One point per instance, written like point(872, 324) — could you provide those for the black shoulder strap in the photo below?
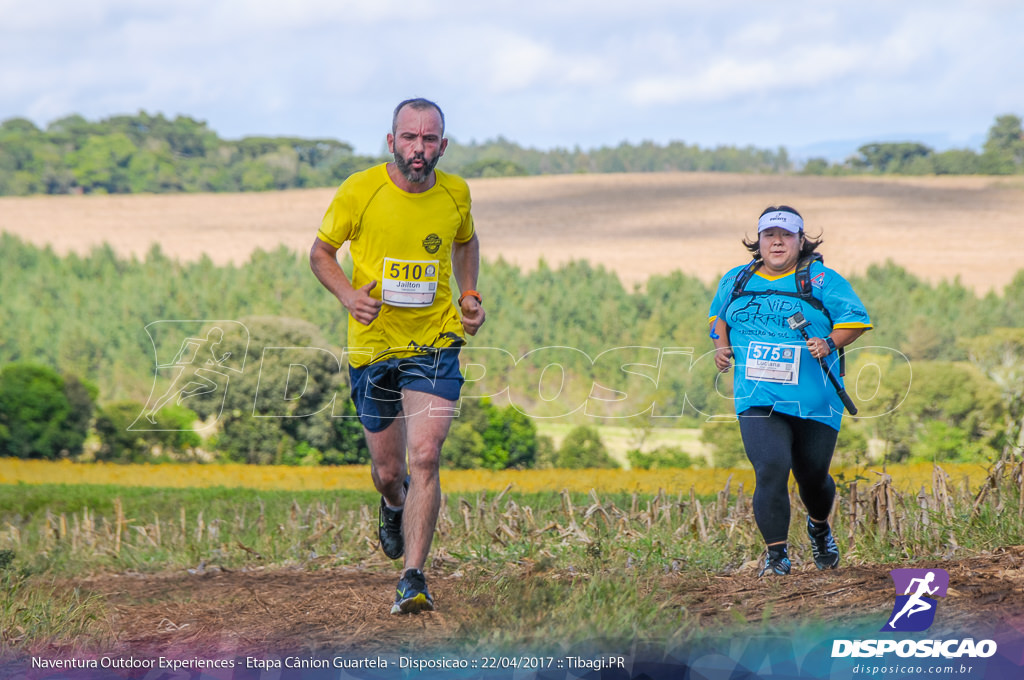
point(803, 286)
point(740, 284)
point(803, 283)
point(803, 274)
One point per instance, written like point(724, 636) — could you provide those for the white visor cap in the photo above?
point(781, 218)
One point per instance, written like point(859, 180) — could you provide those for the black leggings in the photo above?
point(777, 443)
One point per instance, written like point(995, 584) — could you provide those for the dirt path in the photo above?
point(226, 614)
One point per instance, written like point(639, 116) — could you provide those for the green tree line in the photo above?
point(1002, 154)
point(90, 320)
point(151, 153)
point(502, 158)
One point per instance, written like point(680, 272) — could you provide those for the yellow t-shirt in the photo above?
point(402, 241)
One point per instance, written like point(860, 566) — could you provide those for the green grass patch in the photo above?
point(36, 613)
point(619, 439)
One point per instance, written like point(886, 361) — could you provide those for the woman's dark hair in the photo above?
point(810, 245)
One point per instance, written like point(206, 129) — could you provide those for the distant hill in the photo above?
point(838, 151)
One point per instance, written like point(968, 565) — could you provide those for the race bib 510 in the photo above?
point(409, 283)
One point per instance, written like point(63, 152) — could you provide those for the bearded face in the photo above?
point(417, 142)
point(417, 167)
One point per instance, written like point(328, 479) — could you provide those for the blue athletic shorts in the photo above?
point(377, 387)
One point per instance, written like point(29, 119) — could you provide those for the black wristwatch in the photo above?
point(831, 343)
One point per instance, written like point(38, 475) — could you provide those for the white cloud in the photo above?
point(729, 77)
point(512, 62)
point(566, 73)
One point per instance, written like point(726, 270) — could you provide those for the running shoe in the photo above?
point(389, 529)
point(412, 595)
point(823, 545)
point(776, 563)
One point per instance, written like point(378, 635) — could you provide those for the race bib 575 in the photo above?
point(773, 363)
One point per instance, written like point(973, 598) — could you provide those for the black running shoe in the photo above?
point(823, 545)
point(389, 529)
point(776, 563)
point(412, 595)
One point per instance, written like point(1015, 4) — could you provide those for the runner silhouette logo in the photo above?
point(195, 361)
point(916, 593)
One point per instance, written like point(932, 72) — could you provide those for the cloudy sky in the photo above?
point(543, 73)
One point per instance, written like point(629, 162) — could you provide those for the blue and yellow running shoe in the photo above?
point(412, 595)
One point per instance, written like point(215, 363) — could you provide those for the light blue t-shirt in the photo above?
point(774, 368)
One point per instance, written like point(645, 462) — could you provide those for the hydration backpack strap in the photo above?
point(804, 287)
point(737, 289)
point(803, 274)
point(740, 284)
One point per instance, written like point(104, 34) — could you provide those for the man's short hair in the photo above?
point(418, 103)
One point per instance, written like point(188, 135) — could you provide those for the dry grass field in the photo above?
point(637, 224)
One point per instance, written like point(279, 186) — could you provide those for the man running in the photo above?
point(409, 228)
